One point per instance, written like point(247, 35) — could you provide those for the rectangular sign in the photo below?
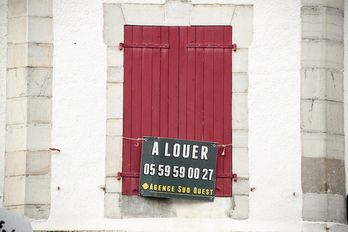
point(176, 168)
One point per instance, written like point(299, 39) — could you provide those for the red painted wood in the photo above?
point(164, 92)
point(208, 133)
point(178, 92)
point(173, 82)
point(156, 82)
point(191, 84)
point(199, 104)
point(136, 107)
point(146, 82)
point(218, 106)
point(183, 84)
point(227, 110)
point(127, 107)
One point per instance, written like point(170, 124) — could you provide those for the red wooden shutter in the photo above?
point(184, 91)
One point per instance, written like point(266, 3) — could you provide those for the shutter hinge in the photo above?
point(201, 45)
point(227, 175)
point(143, 45)
point(127, 174)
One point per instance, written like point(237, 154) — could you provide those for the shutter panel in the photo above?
point(205, 93)
point(182, 92)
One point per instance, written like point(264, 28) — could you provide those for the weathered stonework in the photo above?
point(322, 114)
point(176, 13)
point(27, 185)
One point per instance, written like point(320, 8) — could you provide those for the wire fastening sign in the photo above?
point(176, 168)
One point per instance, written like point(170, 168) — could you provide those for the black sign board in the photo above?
point(176, 168)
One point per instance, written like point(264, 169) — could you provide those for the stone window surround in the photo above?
point(118, 15)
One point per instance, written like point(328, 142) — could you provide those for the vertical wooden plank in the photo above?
point(191, 84)
point(156, 82)
point(164, 92)
point(227, 109)
point(146, 83)
point(218, 106)
point(136, 107)
point(183, 84)
point(127, 108)
point(199, 103)
point(208, 133)
point(173, 82)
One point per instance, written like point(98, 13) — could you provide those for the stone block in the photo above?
point(201, 209)
point(315, 207)
point(38, 162)
point(242, 26)
point(310, 227)
point(16, 55)
point(17, 30)
point(240, 138)
point(23, 82)
point(337, 209)
point(335, 4)
point(314, 177)
point(39, 137)
point(240, 83)
point(322, 54)
point(241, 207)
point(14, 190)
point(39, 82)
point(16, 138)
point(40, 55)
point(38, 189)
point(133, 206)
point(16, 111)
point(40, 30)
point(212, 14)
point(115, 75)
point(112, 207)
point(322, 23)
point(322, 116)
point(322, 84)
point(113, 159)
point(322, 175)
point(143, 14)
point(240, 111)
point(338, 228)
point(114, 127)
point(240, 162)
point(178, 13)
point(113, 185)
point(39, 110)
point(114, 57)
point(114, 100)
point(43, 8)
point(240, 61)
point(15, 163)
point(113, 24)
point(16, 82)
point(336, 177)
point(37, 211)
point(322, 145)
point(17, 8)
point(240, 187)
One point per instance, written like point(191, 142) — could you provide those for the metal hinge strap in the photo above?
point(127, 174)
point(143, 45)
point(200, 45)
point(227, 175)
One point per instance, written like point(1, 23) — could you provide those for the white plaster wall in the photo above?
point(345, 76)
point(3, 62)
point(79, 115)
